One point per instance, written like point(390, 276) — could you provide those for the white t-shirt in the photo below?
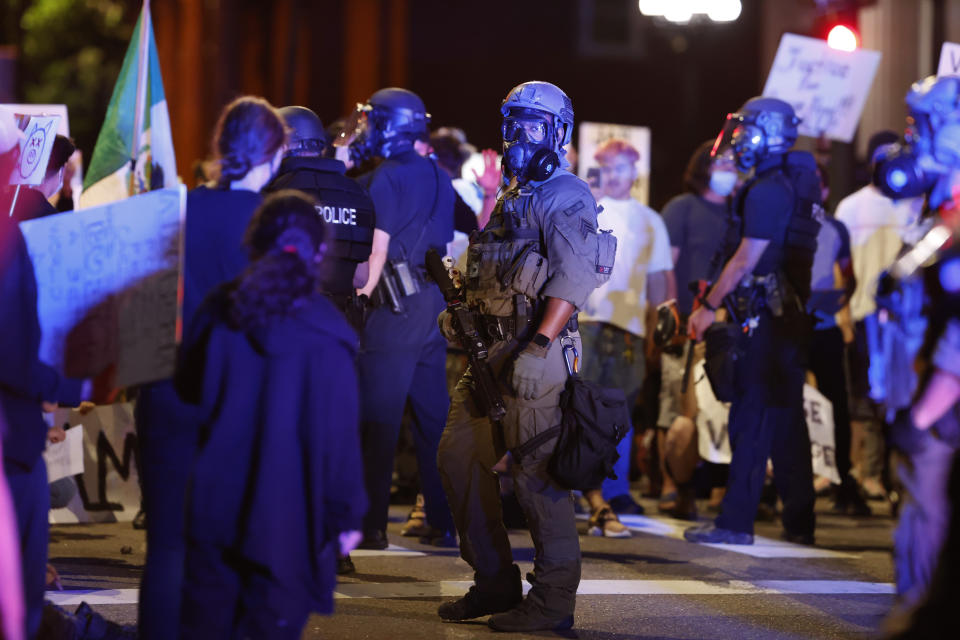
point(878, 229)
point(643, 247)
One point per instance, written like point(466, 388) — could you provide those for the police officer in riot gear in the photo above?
point(403, 355)
point(768, 276)
point(528, 272)
point(343, 204)
point(921, 292)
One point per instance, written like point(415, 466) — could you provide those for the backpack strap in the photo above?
point(521, 451)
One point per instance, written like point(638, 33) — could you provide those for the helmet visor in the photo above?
point(353, 125)
point(533, 129)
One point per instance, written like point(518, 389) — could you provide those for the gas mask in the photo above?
point(528, 146)
point(922, 165)
point(762, 127)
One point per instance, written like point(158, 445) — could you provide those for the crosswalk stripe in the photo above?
point(454, 588)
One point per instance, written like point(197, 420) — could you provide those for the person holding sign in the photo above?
point(26, 386)
point(769, 279)
point(34, 202)
point(277, 490)
point(248, 144)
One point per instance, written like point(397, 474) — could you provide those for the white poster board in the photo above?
point(65, 458)
point(108, 488)
point(949, 60)
point(713, 438)
point(819, 414)
point(40, 134)
point(108, 280)
point(63, 126)
point(593, 134)
point(826, 87)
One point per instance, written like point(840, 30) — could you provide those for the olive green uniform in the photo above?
point(541, 242)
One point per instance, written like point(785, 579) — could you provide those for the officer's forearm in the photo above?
point(555, 317)
point(378, 257)
point(742, 263)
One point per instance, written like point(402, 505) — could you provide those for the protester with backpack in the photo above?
point(763, 289)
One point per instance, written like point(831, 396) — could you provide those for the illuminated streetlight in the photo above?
point(843, 38)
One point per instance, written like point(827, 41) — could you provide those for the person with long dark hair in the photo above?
point(277, 490)
point(248, 143)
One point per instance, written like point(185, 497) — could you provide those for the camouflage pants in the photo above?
point(467, 457)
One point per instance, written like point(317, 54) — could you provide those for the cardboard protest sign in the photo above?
point(35, 148)
point(826, 87)
point(819, 413)
point(593, 134)
point(713, 439)
point(65, 458)
point(108, 280)
point(949, 60)
point(108, 488)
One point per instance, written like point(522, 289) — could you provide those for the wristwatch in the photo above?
point(541, 341)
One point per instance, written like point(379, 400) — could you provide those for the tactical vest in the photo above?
point(507, 262)
point(347, 211)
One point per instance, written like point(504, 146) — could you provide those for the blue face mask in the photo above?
point(723, 182)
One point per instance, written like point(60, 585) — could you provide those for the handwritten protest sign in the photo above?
point(108, 488)
point(949, 60)
point(593, 134)
point(107, 279)
point(826, 87)
point(713, 439)
point(40, 133)
point(65, 458)
point(819, 413)
point(63, 126)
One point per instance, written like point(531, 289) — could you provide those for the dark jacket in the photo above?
point(31, 203)
point(279, 473)
point(25, 381)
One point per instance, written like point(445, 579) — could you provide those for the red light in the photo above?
point(843, 38)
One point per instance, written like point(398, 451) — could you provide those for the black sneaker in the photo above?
point(439, 538)
point(712, 534)
point(527, 616)
point(374, 540)
point(797, 538)
point(345, 566)
point(499, 595)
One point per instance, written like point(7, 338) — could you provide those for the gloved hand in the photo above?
point(445, 322)
point(528, 371)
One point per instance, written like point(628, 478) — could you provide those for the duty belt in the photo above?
point(502, 328)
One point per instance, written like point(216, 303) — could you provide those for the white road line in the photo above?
point(392, 550)
point(761, 547)
point(454, 588)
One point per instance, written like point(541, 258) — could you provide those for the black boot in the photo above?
point(494, 595)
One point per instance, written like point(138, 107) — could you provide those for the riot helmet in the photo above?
point(761, 128)
point(307, 135)
point(931, 148)
point(537, 125)
point(389, 123)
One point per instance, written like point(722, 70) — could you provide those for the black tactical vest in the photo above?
point(344, 206)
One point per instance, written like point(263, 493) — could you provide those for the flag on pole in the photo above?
point(134, 152)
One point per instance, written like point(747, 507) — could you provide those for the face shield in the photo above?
point(740, 137)
point(357, 136)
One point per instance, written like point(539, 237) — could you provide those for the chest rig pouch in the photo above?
point(506, 268)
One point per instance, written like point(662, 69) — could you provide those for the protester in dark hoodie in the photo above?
point(277, 489)
point(248, 144)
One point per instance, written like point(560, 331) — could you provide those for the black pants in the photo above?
point(767, 421)
point(827, 364)
point(31, 504)
point(223, 600)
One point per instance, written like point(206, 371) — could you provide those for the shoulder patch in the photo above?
point(575, 207)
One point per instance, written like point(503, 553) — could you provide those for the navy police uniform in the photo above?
point(541, 242)
point(403, 355)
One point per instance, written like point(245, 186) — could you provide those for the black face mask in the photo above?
point(528, 153)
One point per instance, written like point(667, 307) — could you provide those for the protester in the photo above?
point(620, 315)
point(697, 221)
point(27, 386)
point(34, 201)
point(277, 487)
point(248, 143)
point(878, 227)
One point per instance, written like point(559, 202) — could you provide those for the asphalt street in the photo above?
point(653, 585)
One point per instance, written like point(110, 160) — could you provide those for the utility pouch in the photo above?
point(406, 283)
point(527, 274)
point(724, 348)
point(606, 254)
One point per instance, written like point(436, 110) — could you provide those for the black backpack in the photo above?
point(595, 420)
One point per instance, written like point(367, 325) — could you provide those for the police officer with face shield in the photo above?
point(528, 272)
point(343, 204)
point(403, 355)
point(764, 287)
point(921, 293)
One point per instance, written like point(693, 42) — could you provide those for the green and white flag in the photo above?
point(134, 152)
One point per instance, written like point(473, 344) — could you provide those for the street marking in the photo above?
point(455, 588)
point(392, 550)
point(761, 547)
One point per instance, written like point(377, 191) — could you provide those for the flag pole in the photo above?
point(143, 60)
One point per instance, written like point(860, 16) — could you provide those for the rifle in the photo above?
point(485, 390)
